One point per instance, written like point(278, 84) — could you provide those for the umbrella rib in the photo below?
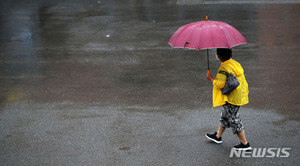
point(193, 35)
point(181, 31)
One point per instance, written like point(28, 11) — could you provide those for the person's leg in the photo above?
point(244, 145)
point(220, 131)
point(217, 136)
point(224, 121)
point(234, 120)
point(237, 127)
point(242, 137)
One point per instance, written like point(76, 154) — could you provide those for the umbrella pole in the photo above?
point(208, 71)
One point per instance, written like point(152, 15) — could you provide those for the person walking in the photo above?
point(230, 102)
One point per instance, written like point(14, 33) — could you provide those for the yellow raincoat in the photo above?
point(239, 96)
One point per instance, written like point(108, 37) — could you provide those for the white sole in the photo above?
point(249, 148)
point(218, 142)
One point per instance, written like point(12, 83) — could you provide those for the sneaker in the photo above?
point(241, 146)
point(214, 138)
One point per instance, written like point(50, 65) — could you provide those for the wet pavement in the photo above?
point(95, 82)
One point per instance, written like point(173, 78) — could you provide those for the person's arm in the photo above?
point(210, 77)
point(220, 80)
point(219, 84)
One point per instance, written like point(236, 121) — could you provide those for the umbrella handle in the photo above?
point(207, 56)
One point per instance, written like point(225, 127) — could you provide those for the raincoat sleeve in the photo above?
point(220, 80)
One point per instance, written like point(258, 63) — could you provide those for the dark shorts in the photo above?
point(230, 118)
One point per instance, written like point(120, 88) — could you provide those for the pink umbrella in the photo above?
point(205, 35)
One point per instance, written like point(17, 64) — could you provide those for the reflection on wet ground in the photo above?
point(116, 53)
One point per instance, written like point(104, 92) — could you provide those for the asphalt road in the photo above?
point(96, 83)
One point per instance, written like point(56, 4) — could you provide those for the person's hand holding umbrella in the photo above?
point(209, 77)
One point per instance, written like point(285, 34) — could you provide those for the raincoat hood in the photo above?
point(234, 66)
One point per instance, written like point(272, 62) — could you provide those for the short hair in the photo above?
point(224, 53)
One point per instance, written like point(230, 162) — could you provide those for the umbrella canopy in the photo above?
point(206, 34)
